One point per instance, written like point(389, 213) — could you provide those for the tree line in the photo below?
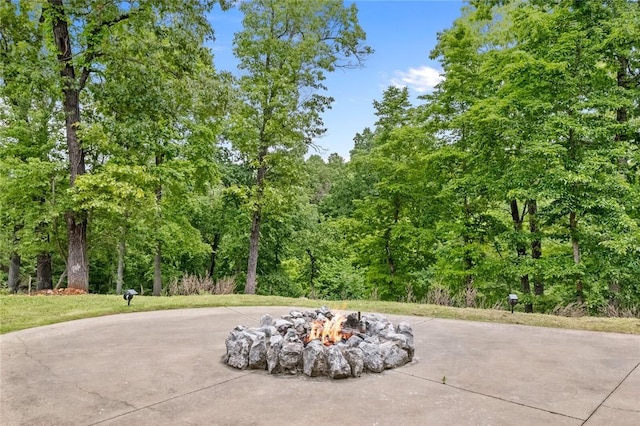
point(128, 159)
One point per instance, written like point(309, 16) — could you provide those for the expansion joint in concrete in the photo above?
point(602, 403)
point(151, 406)
point(440, 382)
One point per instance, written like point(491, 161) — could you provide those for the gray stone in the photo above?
point(291, 335)
point(400, 339)
point(375, 327)
point(374, 318)
point(355, 358)
point(273, 354)
point(310, 315)
point(266, 320)
point(258, 354)
point(325, 312)
point(238, 350)
point(406, 330)
point(291, 356)
point(339, 367)
point(372, 339)
point(393, 355)
point(282, 325)
point(295, 314)
point(373, 360)
point(298, 322)
point(269, 331)
point(300, 326)
point(314, 359)
point(354, 341)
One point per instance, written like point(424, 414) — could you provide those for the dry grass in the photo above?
point(19, 312)
point(190, 285)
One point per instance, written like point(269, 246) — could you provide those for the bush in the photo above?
point(439, 295)
point(339, 280)
point(191, 284)
point(225, 285)
point(575, 309)
point(278, 283)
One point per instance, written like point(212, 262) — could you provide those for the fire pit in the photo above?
point(321, 343)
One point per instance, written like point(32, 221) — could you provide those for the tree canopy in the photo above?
point(128, 158)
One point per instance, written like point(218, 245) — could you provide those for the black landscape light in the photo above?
point(128, 295)
point(513, 300)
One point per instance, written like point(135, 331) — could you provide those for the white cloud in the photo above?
point(422, 79)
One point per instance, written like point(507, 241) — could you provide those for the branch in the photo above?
point(91, 53)
point(524, 211)
point(64, 274)
point(84, 75)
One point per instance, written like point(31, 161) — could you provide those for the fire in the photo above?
point(329, 332)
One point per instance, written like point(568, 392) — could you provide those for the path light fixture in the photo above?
point(128, 295)
point(513, 300)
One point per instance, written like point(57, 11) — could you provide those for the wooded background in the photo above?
point(128, 160)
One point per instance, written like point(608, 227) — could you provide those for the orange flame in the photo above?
point(329, 332)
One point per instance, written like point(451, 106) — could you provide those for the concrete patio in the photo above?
point(164, 368)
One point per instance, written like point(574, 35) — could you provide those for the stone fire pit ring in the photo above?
point(321, 343)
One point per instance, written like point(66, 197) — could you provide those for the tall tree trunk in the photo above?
point(521, 250)
point(387, 239)
point(120, 271)
point(470, 299)
point(254, 240)
point(44, 279)
point(468, 259)
point(312, 274)
point(389, 253)
point(14, 272)
point(77, 272)
point(14, 262)
point(623, 81)
point(256, 220)
point(157, 271)
point(536, 245)
point(157, 258)
point(575, 243)
point(214, 254)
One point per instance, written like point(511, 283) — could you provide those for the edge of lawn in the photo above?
point(19, 312)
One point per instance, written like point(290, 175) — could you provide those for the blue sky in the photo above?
point(401, 32)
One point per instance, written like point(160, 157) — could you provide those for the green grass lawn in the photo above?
point(18, 312)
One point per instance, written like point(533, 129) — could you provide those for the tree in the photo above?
point(389, 212)
point(284, 50)
point(465, 157)
point(533, 98)
point(28, 138)
point(80, 41)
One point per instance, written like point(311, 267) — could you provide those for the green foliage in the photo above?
point(517, 174)
point(284, 51)
point(339, 280)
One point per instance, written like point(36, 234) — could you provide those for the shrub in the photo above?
point(438, 295)
point(225, 285)
point(575, 309)
point(190, 284)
